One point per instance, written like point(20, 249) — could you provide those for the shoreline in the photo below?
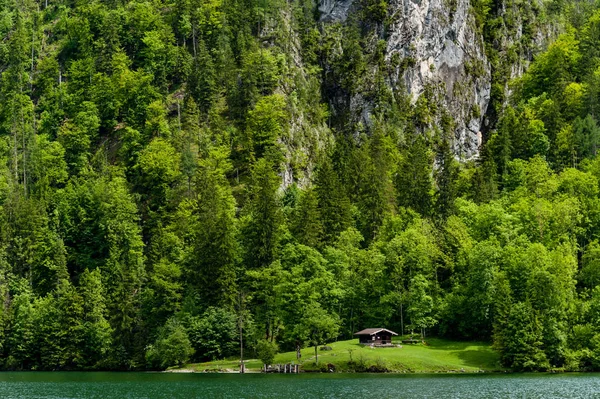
point(421, 372)
point(440, 356)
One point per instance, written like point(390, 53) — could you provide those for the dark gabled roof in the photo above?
point(371, 331)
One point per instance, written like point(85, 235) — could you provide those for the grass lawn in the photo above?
point(439, 355)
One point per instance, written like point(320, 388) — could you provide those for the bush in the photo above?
point(214, 335)
point(266, 351)
point(171, 348)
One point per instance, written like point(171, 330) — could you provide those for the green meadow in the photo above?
point(438, 355)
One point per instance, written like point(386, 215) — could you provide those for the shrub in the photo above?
point(266, 351)
point(171, 348)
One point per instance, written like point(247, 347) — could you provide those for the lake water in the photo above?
point(58, 385)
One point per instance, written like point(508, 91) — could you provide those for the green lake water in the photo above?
point(59, 385)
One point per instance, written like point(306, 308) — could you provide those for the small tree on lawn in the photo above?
point(318, 327)
point(171, 348)
point(420, 305)
point(266, 351)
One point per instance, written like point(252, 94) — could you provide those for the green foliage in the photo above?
point(334, 204)
point(214, 334)
point(158, 166)
point(522, 346)
point(262, 230)
point(317, 327)
point(413, 181)
point(266, 124)
point(266, 351)
point(214, 254)
point(171, 348)
point(97, 333)
point(307, 225)
point(420, 304)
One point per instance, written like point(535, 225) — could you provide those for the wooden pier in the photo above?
point(282, 368)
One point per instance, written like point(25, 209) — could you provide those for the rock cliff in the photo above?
point(443, 51)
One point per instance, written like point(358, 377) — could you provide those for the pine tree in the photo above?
point(334, 205)
point(214, 256)
point(446, 176)
point(70, 337)
point(306, 222)
point(20, 342)
point(202, 82)
point(414, 179)
point(485, 186)
point(264, 217)
point(96, 331)
point(375, 197)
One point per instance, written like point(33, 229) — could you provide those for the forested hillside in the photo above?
point(178, 175)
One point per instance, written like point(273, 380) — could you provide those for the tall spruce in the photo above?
point(215, 251)
point(264, 217)
point(334, 205)
point(414, 187)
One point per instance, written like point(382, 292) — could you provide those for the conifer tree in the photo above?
point(96, 331)
point(264, 218)
point(334, 205)
point(414, 179)
point(202, 80)
point(306, 222)
point(214, 256)
point(20, 342)
point(375, 197)
point(446, 177)
point(485, 182)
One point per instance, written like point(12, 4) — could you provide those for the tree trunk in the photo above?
point(316, 355)
point(24, 160)
point(241, 347)
point(194, 39)
point(401, 320)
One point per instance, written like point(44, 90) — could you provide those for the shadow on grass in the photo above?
point(486, 359)
point(474, 354)
point(442, 344)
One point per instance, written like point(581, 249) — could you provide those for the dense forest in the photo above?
point(177, 176)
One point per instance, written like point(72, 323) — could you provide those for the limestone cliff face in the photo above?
point(335, 10)
point(444, 53)
point(448, 54)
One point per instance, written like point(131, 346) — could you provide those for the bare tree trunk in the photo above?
point(194, 39)
point(22, 146)
point(15, 154)
point(179, 116)
point(241, 310)
point(352, 318)
point(24, 157)
point(401, 319)
point(32, 54)
point(24, 152)
point(241, 347)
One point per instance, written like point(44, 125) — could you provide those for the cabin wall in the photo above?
point(379, 338)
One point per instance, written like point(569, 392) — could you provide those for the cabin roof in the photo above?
point(372, 331)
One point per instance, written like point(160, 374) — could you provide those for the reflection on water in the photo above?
point(58, 385)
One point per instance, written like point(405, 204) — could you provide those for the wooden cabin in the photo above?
point(375, 336)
